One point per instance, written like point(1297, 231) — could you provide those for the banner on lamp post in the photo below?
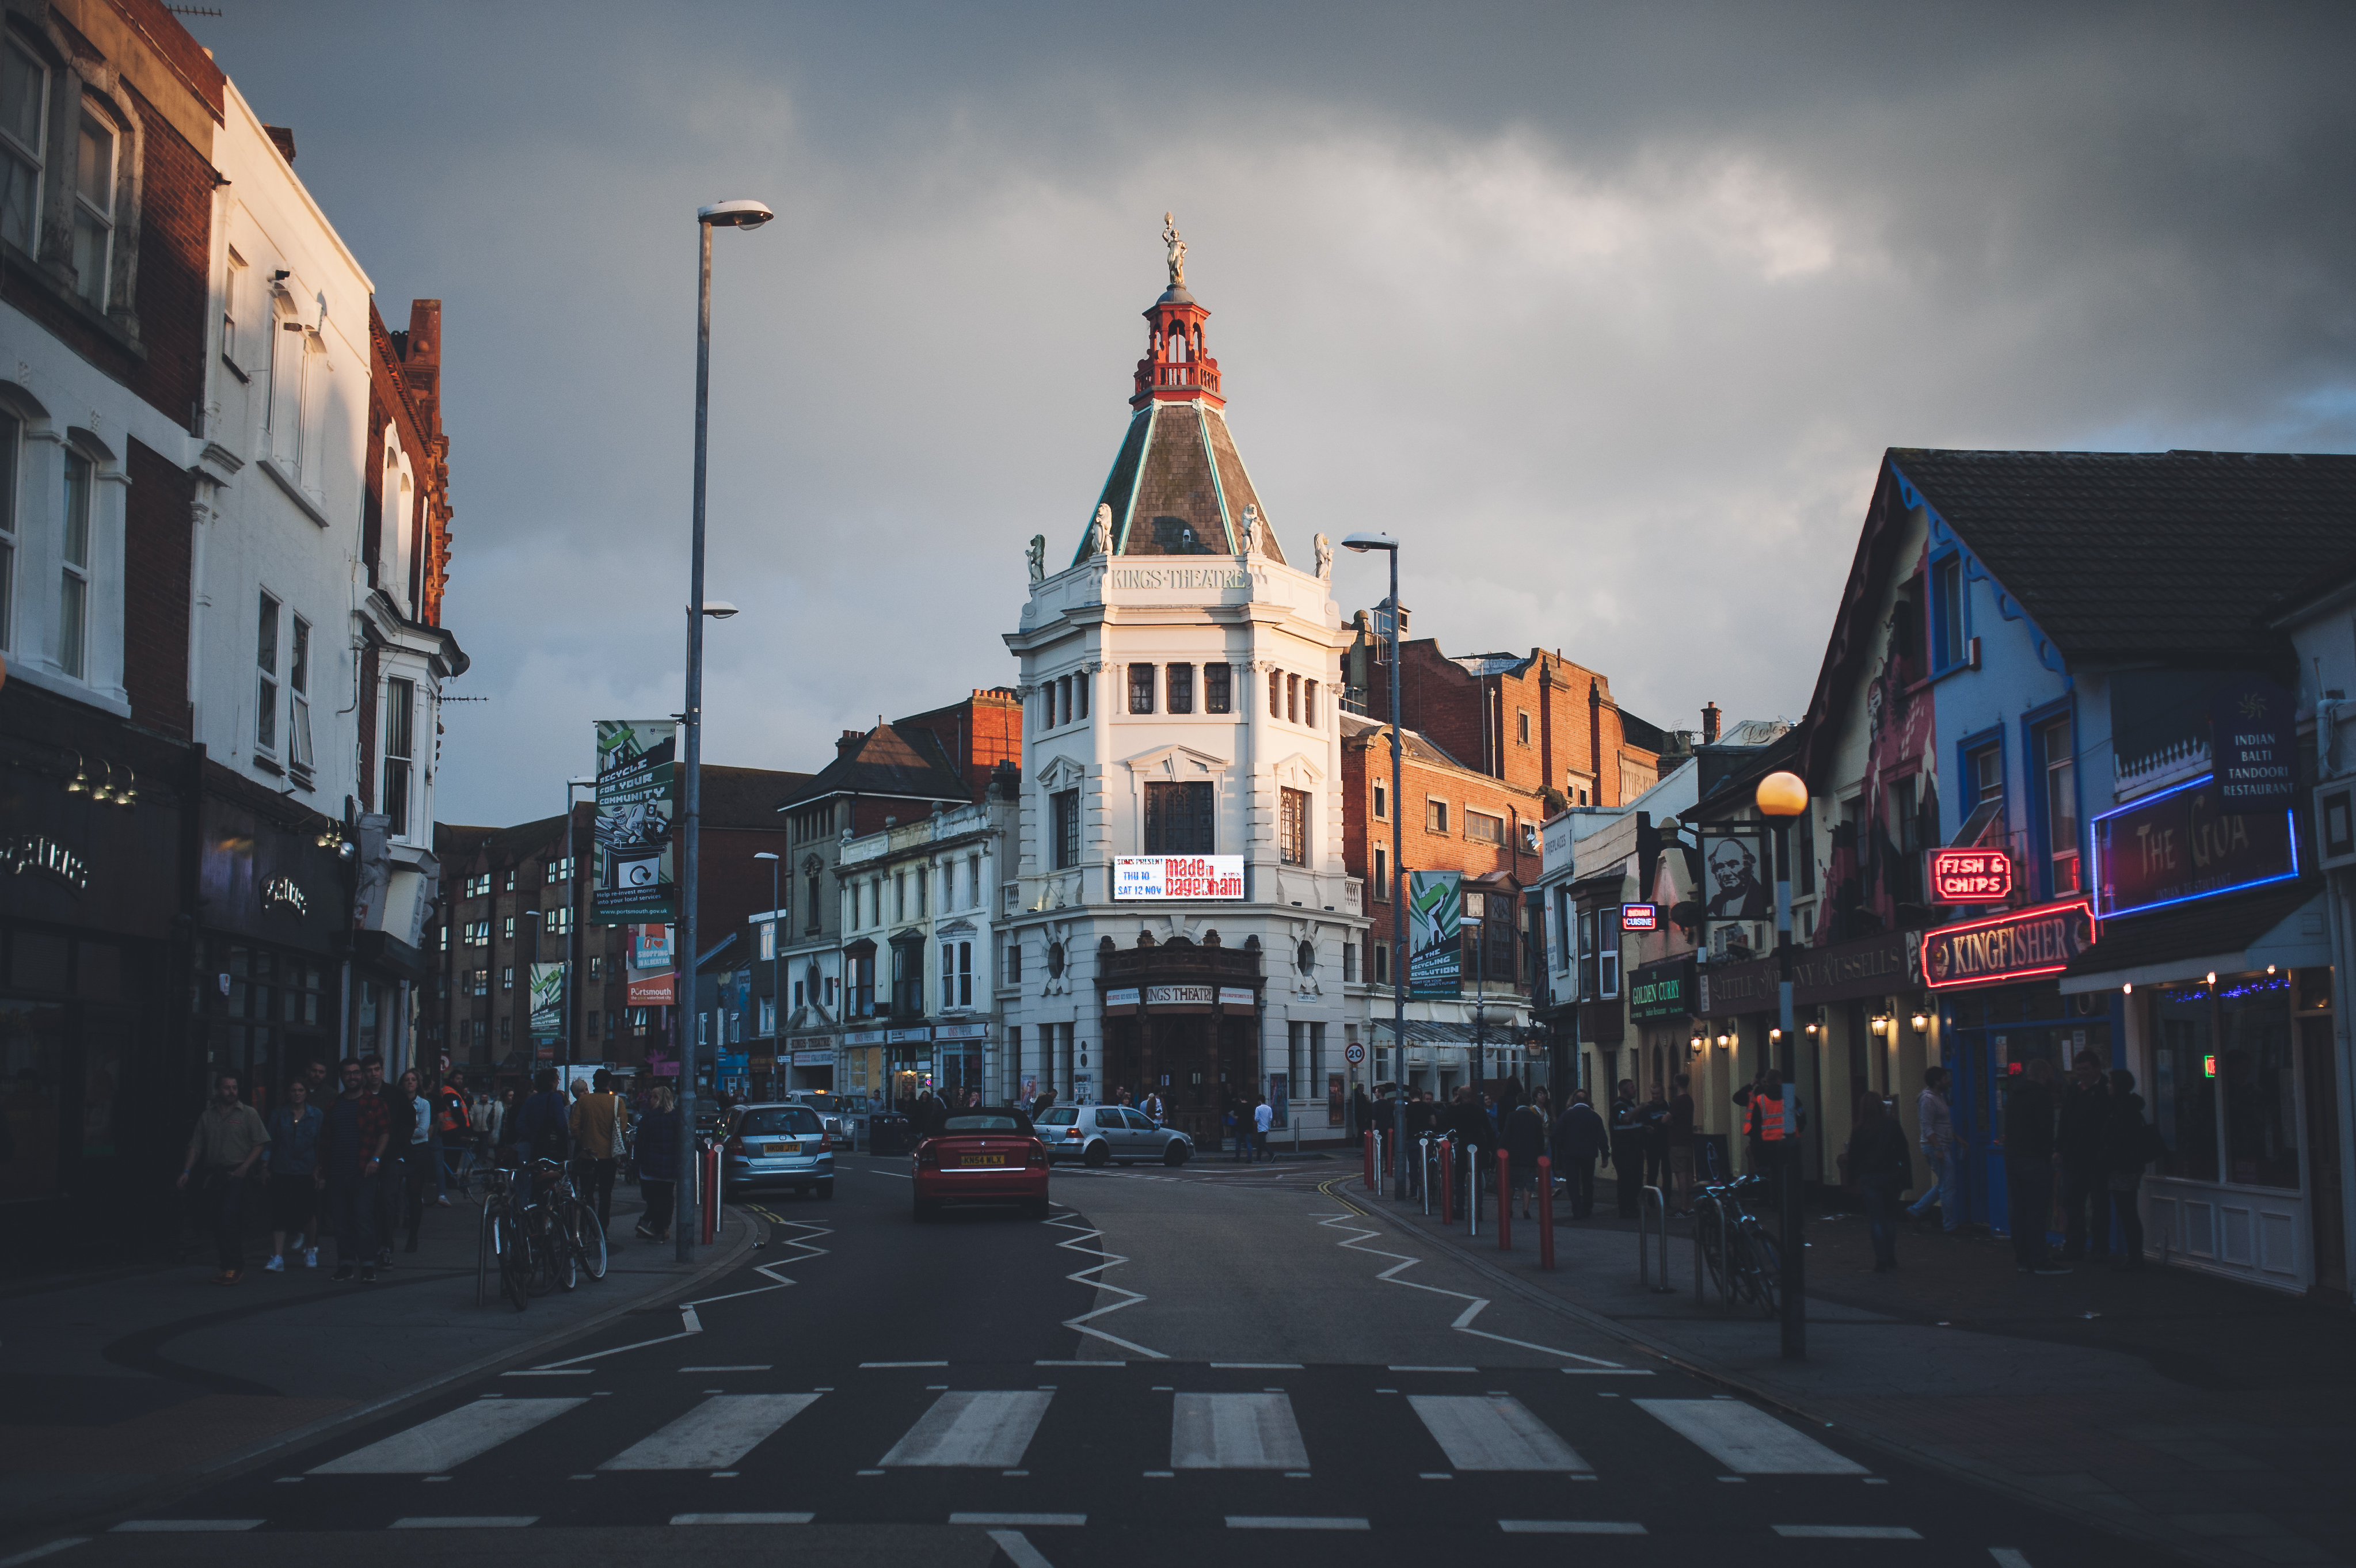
point(637, 797)
point(546, 1002)
point(1435, 924)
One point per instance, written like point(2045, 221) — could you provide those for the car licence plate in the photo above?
point(981, 1159)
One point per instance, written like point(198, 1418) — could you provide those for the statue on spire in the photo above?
point(1177, 251)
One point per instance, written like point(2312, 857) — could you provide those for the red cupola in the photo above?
point(1176, 369)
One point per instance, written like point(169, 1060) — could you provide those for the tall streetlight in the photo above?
point(572, 912)
point(1780, 796)
point(1361, 542)
point(720, 215)
point(776, 954)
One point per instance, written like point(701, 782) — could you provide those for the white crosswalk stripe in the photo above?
point(432, 1447)
point(1493, 1432)
point(714, 1435)
point(1236, 1432)
point(1747, 1440)
point(982, 1427)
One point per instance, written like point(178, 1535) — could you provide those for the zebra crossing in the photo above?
point(987, 1430)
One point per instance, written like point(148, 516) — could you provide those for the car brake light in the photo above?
point(928, 1154)
point(736, 1147)
point(1038, 1155)
point(1074, 1134)
point(824, 1143)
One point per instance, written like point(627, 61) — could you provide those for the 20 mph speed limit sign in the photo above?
point(1355, 1054)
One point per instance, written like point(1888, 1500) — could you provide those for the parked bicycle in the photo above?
point(500, 1247)
point(1744, 1261)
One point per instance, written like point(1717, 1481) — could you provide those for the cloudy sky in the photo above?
point(1608, 312)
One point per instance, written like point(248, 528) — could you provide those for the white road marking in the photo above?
point(866, 1366)
point(1082, 1323)
point(1569, 1527)
point(467, 1522)
point(714, 1435)
point(176, 1526)
point(1845, 1532)
point(1019, 1552)
point(1291, 1521)
point(978, 1427)
point(741, 1518)
point(1257, 1366)
point(1022, 1521)
point(1747, 1440)
point(46, 1549)
point(690, 1324)
point(1431, 1369)
point(1463, 1324)
point(448, 1441)
point(1234, 1431)
point(2006, 1557)
point(1488, 1432)
point(761, 1367)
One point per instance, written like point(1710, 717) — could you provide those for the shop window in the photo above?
point(1141, 688)
point(1217, 693)
point(1292, 827)
point(2184, 1097)
point(1180, 683)
point(1178, 818)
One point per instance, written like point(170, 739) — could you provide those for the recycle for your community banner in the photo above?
point(637, 795)
point(547, 1001)
point(1435, 916)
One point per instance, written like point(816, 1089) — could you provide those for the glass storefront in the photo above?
point(2225, 1082)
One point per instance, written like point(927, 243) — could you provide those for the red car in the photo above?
point(988, 1155)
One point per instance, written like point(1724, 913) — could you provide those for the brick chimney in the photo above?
point(849, 742)
point(1710, 716)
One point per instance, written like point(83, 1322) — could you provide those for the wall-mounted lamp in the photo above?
point(1811, 1026)
point(1776, 1033)
point(2270, 969)
point(2212, 977)
point(1881, 1025)
point(1921, 1022)
point(2128, 989)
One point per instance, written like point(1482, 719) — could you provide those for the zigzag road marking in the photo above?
point(1080, 1323)
point(1463, 1324)
point(689, 1322)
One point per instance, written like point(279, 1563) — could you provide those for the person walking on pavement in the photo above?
point(1628, 1146)
point(657, 1151)
point(2130, 1144)
point(1579, 1137)
point(228, 1138)
point(2083, 1141)
point(453, 1131)
point(1152, 1106)
point(400, 1115)
point(420, 1161)
point(1526, 1139)
point(599, 1125)
point(1878, 1164)
point(352, 1149)
point(1934, 1124)
point(1678, 1128)
point(320, 1085)
point(1655, 1116)
point(538, 1126)
point(295, 1128)
point(2029, 1114)
point(1263, 1118)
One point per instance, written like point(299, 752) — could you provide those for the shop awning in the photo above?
point(2283, 926)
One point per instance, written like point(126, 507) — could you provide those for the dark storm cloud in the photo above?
point(1608, 312)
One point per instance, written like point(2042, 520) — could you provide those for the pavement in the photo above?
point(2202, 1416)
point(1238, 1362)
point(128, 1383)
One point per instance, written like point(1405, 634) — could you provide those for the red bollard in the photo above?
point(1504, 1202)
point(1545, 1212)
point(1446, 1181)
point(1370, 1160)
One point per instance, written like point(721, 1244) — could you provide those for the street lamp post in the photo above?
point(1477, 914)
point(572, 912)
point(720, 215)
point(1780, 796)
point(776, 997)
point(1361, 542)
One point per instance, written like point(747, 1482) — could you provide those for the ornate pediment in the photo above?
point(1174, 762)
point(1299, 771)
point(1062, 773)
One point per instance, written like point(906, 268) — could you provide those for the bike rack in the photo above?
point(1426, 1183)
point(1653, 1221)
point(1472, 1184)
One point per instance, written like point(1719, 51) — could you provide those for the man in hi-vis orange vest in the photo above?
point(1773, 1119)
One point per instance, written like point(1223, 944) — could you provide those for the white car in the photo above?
point(1103, 1134)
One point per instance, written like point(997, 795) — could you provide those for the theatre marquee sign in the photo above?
point(2019, 945)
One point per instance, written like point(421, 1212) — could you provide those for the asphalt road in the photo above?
point(1215, 1362)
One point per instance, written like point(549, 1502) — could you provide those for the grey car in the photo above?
point(778, 1146)
point(1110, 1134)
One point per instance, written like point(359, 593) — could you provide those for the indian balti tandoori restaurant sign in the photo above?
point(2018, 945)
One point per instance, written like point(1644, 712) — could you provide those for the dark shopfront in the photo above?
point(1181, 1020)
point(97, 1089)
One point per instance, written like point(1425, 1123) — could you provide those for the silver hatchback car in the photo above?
point(1103, 1134)
point(778, 1146)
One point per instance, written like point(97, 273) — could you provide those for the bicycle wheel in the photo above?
point(486, 1260)
point(515, 1265)
point(541, 1247)
point(567, 1243)
point(1709, 1235)
point(583, 1220)
point(1765, 1269)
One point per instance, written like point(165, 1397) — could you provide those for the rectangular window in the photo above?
point(1080, 696)
point(1382, 964)
point(1141, 688)
point(813, 902)
point(560, 868)
point(923, 879)
point(1382, 802)
point(1292, 827)
point(1047, 704)
point(948, 975)
point(1435, 816)
point(2060, 806)
point(899, 895)
point(233, 277)
point(1382, 876)
point(1182, 688)
point(1521, 725)
point(1217, 697)
point(478, 982)
point(11, 432)
point(1309, 710)
point(1275, 694)
point(1013, 971)
point(596, 963)
point(1607, 955)
point(1178, 818)
point(478, 933)
point(93, 238)
point(1292, 698)
point(1482, 828)
point(1067, 805)
point(768, 949)
point(1064, 700)
point(1586, 982)
point(1987, 775)
point(965, 974)
point(265, 686)
point(73, 587)
point(24, 140)
point(508, 929)
point(400, 699)
point(507, 975)
point(1948, 648)
point(558, 922)
point(1349, 963)
point(299, 708)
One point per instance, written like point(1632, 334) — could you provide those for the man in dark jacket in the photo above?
point(1628, 1146)
point(2029, 1165)
point(2083, 1143)
point(1578, 1138)
point(1526, 1139)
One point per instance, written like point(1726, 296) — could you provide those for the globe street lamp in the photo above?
point(1361, 542)
point(1780, 796)
point(739, 214)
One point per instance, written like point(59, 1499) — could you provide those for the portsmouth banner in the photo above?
point(1435, 943)
point(547, 1001)
point(637, 795)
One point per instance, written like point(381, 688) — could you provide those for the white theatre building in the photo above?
point(1181, 716)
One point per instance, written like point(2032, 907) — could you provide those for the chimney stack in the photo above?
point(1709, 721)
point(849, 742)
